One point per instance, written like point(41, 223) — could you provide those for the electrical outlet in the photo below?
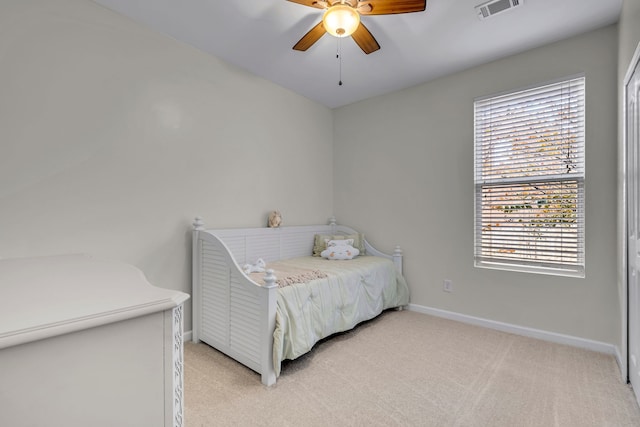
point(447, 285)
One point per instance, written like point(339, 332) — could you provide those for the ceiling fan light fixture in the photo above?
point(341, 20)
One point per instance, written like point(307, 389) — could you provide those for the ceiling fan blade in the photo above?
point(365, 39)
point(318, 4)
point(390, 7)
point(310, 38)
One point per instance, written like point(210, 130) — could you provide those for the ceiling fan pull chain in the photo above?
point(339, 56)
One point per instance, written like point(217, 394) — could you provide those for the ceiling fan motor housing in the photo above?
point(341, 20)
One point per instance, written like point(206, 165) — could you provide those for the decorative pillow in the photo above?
point(332, 243)
point(320, 244)
point(339, 251)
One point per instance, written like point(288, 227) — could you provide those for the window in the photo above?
point(529, 179)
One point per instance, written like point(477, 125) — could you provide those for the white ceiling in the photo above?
point(257, 35)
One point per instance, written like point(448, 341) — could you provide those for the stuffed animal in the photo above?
point(258, 267)
point(275, 219)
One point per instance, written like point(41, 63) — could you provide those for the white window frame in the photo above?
point(562, 256)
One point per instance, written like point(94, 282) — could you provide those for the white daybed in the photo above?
point(259, 325)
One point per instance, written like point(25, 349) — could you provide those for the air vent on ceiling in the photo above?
point(494, 7)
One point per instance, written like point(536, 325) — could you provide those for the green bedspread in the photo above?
point(354, 291)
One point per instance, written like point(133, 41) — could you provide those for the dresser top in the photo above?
point(49, 296)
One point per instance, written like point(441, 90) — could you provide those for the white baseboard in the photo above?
point(187, 336)
point(618, 355)
point(598, 346)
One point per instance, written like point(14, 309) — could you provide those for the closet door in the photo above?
point(632, 124)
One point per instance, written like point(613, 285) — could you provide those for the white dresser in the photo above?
point(88, 342)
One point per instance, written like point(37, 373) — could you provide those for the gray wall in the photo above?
point(418, 143)
point(629, 32)
point(113, 137)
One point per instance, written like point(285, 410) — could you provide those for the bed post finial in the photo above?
point(332, 223)
point(270, 279)
point(198, 224)
point(397, 258)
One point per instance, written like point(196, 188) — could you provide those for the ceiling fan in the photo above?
point(342, 19)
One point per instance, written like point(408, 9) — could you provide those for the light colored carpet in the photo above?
point(410, 369)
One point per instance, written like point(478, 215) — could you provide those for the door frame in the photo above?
point(624, 351)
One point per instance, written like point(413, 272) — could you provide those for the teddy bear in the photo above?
point(275, 219)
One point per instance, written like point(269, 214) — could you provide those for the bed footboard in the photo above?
point(240, 316)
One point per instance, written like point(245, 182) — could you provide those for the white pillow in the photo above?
point(345, 242)
point(340, 252)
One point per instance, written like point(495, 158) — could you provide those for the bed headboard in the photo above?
point(273, 244)
point(270, 244)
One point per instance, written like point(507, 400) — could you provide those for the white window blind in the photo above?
point(529, 179)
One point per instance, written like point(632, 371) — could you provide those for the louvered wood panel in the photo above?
point(295, 244)
point(237, 247)
point(266, 247)
point(244, 312)
point(215, 294)
point(242, 301)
